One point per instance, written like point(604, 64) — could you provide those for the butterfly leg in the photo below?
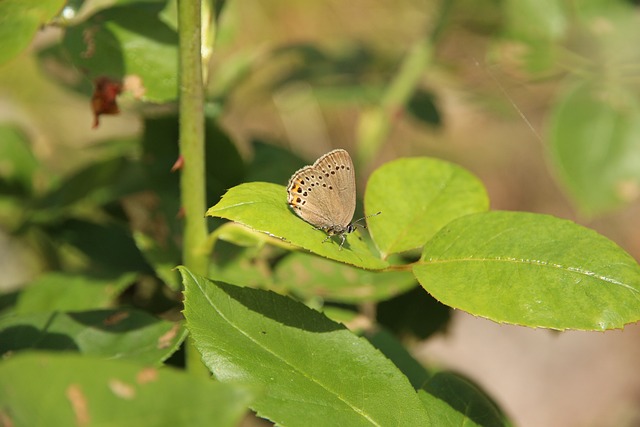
point(343, 239)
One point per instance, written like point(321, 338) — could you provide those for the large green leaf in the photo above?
point(310, 276)
point(73, 390)
point(417, 197)
point(263, 207)
point(116, 334)
point(595, 146)
point(314, 371)
point(20, 20)
point(532, 270)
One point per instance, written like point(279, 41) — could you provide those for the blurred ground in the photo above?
point(546, 378)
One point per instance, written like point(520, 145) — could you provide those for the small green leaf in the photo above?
point(417, 197)
point(128, 40)
point(20, 20)
point(309, 276)
point(101, 182)
point(108, 248)
point(248, 266)
point(163, 257)
point(595, 146)
point(17, 162)
point(314, 371)
point(458, 402)
point(532, 270)
point(263, 207)
point(116, 334)
point(536, 20)
point(272, 164)
point(225, 167)
point(73, 390)
point(422, 106)
point(69, 292)
point(414, 314)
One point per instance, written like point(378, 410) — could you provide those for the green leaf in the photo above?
point(537, 27)
point(417, 197)
point(101, 182)
point(414, 314)
point(73, 390)
point(224, 164)
point(109, 248)
point(389, 345)
point(163, 257)
point(128, 40)
point(116, 334)
point(272, 164)
point(449, 398)
point(532, 270)
point(20, 20)
point(263, 207)
point(536, 20)
point(68, 292)
point(246, 265)
point(595, 146)
point(17, 162)
point(354, 71)
point(309, 276)
point(458, 402)
point(314, 371)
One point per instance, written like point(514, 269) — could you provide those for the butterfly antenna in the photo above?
point(365, 217)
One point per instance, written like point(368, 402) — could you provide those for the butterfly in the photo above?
point(324, 194)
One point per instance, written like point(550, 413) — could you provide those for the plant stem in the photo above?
point(192, 179)
point(376, 123)
point(192, 146)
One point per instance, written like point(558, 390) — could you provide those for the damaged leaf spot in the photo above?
point(115, 318)
point(88, 36)
point(122, 389)
point(147, 375)
point(79, 405)
point(133, 84)
point(165, 340)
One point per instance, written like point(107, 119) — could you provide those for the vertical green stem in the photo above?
point(192, 179)
point(192, 146)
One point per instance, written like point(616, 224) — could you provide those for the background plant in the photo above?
point(103, 228)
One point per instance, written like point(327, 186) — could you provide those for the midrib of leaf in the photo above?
point(541, 263)
point(349, 404)
point(235, 205)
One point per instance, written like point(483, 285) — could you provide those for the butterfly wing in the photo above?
point(324, 194)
